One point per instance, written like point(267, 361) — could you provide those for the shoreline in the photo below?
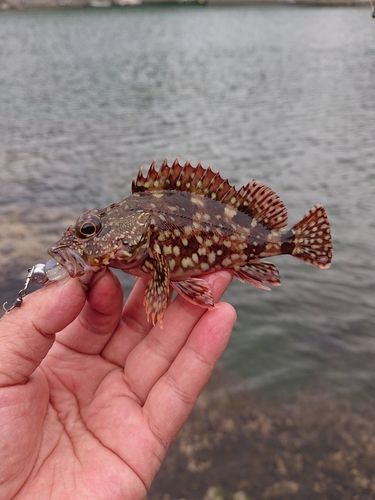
point(8, 5)
point(309, 445)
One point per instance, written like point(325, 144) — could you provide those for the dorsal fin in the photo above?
point(255, 199)
point(263, 204)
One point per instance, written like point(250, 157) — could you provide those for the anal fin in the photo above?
point(196, 291)
point(258, 273)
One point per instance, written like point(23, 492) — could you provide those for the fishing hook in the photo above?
point(35, 274)
point(40, 274)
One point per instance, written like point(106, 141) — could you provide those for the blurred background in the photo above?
point(280, 93)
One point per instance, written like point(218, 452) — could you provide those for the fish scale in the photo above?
point(182, 222)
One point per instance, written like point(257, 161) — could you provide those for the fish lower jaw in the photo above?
point(73, 262)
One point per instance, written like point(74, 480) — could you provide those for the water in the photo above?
point(282, 94)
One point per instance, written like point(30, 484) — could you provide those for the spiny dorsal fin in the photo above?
point(255, 199)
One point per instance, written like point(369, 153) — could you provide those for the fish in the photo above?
point(182, 222)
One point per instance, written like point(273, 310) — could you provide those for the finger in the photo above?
point(132, 328)
point(134, 314)
point(99, 318)
point(28, 332)
point(153, 356)
point(171, 400)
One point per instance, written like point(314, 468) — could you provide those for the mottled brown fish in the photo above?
point(183, 221)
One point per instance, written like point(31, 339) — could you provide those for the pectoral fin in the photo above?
point(258, 273)
point(196, 291)
point(157, 291)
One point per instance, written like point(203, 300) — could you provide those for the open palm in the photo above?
point(91, 395)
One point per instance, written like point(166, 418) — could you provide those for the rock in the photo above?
point(281, 488)
point(240, 495)
point(214, 493)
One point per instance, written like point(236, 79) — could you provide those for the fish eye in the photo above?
point(89, 227)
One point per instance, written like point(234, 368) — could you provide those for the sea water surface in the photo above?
point(281, 94)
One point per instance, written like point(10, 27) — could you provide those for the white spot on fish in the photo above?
point(187, 262)
point(167, 250)
point(211, 257)
point(197, 201)
point(230, 211)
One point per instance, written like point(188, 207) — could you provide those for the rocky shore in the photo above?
point(313, 445)
point(37, 4)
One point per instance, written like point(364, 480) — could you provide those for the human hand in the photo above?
point(92, 395)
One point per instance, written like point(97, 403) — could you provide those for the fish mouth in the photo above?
point(72, 261)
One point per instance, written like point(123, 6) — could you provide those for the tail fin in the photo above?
point(312, 238)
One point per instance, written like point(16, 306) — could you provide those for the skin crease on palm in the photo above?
point(92, 395)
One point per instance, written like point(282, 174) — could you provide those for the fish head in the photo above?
point(108, 237)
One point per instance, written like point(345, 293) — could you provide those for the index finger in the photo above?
point(28, 332)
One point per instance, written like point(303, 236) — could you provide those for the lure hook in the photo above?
point(35, 274)
point(40, 274)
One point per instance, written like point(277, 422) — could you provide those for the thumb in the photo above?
point(28, 332)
